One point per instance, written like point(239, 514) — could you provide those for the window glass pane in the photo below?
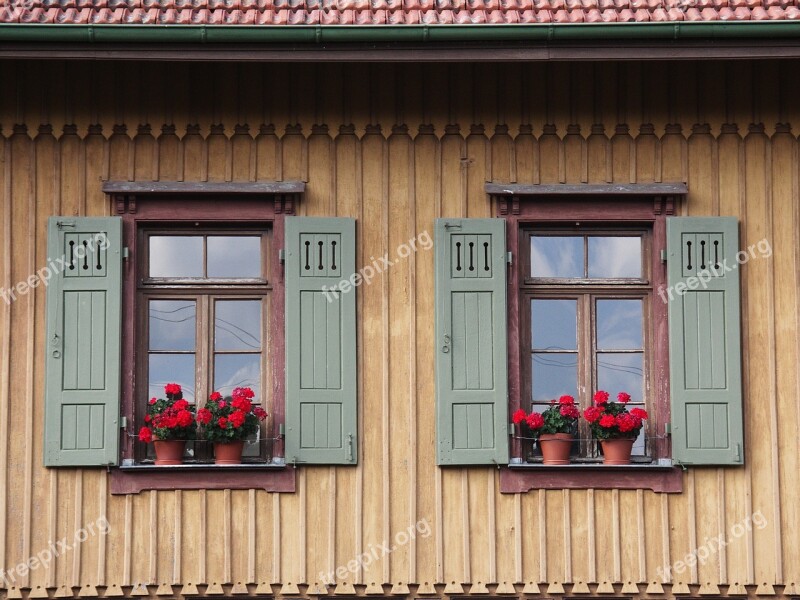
point(171, 368)
point(176, 256)
point(619, 324)
point(639, 442)
point(553, 324)
point(237, 370)
point(234, 256)
point(237, 325)
point(172, 324)
point(613, 257)
point(556, 256)
point(617, 372)
point(554, 375)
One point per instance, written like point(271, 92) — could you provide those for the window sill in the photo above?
point(132, 479)
point(521, 478)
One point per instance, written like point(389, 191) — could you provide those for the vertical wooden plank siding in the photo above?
point(395, 149)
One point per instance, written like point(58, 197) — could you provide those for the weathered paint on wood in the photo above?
point(401, 146)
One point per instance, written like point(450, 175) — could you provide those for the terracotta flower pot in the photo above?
point(555, 448)
point(229, 453)
point(169, 452)
point(617, 451)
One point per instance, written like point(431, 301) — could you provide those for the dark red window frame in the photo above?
point(521, 211)
point(189, 208)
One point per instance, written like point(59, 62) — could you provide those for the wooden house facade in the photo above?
point(389, 148)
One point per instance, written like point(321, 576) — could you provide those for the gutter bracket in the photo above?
point(90, 33)
point(203, 35)
point(318, 34)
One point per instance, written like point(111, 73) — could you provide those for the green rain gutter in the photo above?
point(325, 34)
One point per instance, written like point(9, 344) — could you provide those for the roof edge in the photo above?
point(322, 34)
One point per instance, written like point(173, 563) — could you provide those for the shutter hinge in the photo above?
point(509, 257)
point(663, 256)
point(125, 253)
point(282, 256)
point(512, 429)
point(349, 447)
point(281, 431)
point(452, 225)
point(667, 428)
point(123, 423)
point(737, 455)
point(63, 224)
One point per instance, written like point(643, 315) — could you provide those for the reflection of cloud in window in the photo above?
point(176, 256)
point(619, 324)
point(172, 325)
point(245, 375)
point(234, 256)
point(556, 257)
point(615, 257)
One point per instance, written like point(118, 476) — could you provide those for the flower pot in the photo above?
point(617, 451)
point(169, 452)
point(229, 453)
point(555, 448)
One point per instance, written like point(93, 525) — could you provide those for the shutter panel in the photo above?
point(470, 343)
point(321, 417)
point(704, 340)
point(82, 390)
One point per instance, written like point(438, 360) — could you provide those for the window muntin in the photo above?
point(205, 320)
point(588, 304)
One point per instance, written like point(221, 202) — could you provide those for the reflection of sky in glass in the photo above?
point(171, 368)
point(638, 443)
point(237, 325)
point(619, 324)
point(611, 257)
point(556, 256)
point(620, 373)
point(554, 375)
point(553, 324)
point(176, 256)
point(234, 256)
point(172, 324)
point(237, 370)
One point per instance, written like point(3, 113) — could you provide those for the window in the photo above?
point(205, 297)
point(587, 296)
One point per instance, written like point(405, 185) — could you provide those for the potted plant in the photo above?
point(615, 426)
point(554, 428)
point(170, 422)
point(228, 421)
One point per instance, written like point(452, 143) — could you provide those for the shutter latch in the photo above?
point(349, 438)
point(509, 257)
point(737, 455)
point(663, 256)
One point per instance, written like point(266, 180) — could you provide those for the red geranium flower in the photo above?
point(592, 413)
point(624, 397)
point(172, 389)
point(222, 404)
point(534, 420)
point(260, 413)
point(600, 397)
point(607, 421)
point(145, 435)
point(222, 422)
point(569, 410)
point(152, 401)
point(215, 396)
point(566, 400)
point(237, 418)
point(639, 413)
point(518, 417)
point(204, 416)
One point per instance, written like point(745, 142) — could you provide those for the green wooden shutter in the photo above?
point(470, 343)
point(321, 414)
point(82, 391)
point(704, 340)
